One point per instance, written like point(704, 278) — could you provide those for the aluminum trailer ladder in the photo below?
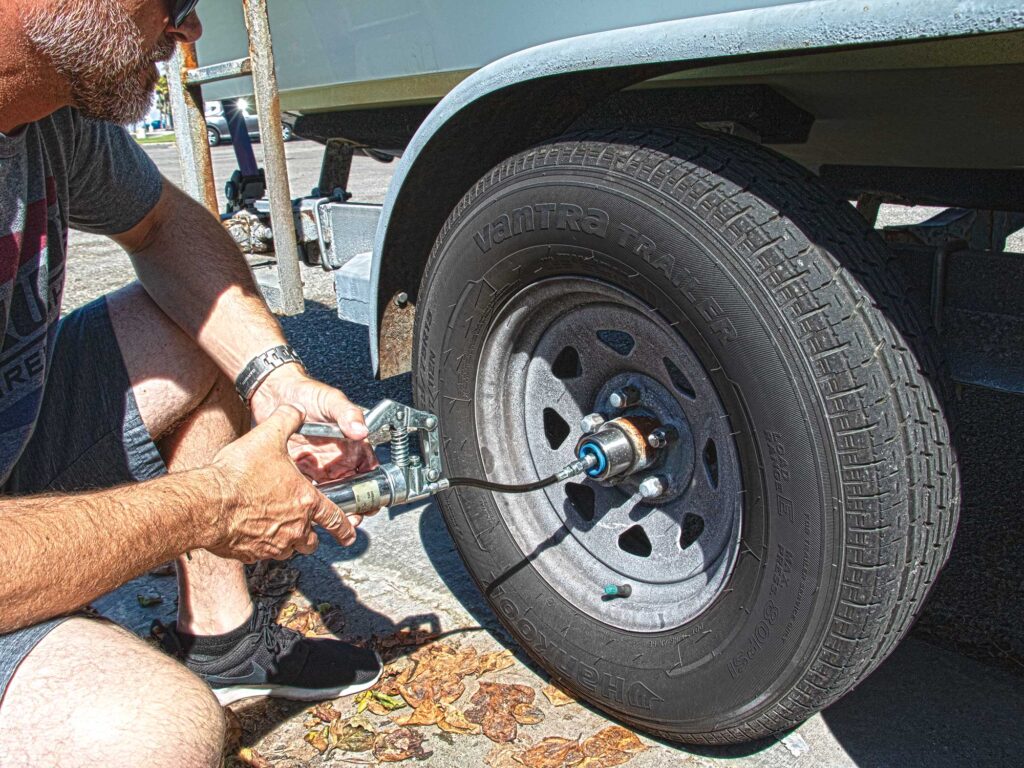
point(282, 283)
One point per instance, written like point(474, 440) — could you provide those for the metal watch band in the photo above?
point(261, 366)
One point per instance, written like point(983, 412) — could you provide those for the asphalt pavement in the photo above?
point(926, 706)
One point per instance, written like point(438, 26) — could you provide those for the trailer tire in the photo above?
point(778, 308)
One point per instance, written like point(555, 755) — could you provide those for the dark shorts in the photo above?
point(89, 435)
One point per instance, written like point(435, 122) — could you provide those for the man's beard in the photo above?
point(98, 49)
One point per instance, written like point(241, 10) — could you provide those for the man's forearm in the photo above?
point(58, 552)
point(196, 274)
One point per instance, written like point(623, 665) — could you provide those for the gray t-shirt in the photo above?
point(62, 171)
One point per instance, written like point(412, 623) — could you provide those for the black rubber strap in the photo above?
point(261, 366)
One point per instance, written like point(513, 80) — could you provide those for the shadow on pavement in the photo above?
point(928, 707)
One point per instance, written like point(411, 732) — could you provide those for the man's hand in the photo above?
point(321, 459)
point(268, 506)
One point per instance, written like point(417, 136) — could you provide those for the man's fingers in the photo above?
point(309, 544)
point(348, 416)
point(329, 517)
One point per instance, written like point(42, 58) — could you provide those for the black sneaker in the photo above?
point(262, 658)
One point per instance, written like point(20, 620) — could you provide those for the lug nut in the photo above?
point(662, 436)
point(591, 422)
point(624, 398)
point(652, 487)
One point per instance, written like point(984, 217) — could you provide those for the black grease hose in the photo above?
point(487, 485)
point(573, 468)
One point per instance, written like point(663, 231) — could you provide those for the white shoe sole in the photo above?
point(229, 695)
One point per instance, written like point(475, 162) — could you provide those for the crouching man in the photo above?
point(123, 440)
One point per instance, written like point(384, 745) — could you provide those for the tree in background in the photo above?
point(163, 102)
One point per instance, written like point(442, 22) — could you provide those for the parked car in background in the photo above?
point(217, 124)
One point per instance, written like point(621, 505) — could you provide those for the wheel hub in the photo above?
point(654, 408)
point(567, 347)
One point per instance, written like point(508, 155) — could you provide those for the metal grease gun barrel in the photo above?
point(384, 486)
point(366, 493)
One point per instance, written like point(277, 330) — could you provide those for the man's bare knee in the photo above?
point(120, 701)
point(169, 374)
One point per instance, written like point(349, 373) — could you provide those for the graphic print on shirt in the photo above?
point(31, 284)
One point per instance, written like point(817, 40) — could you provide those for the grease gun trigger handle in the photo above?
point(320, 429)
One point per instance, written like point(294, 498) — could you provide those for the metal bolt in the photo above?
point(662, 436)
point(400, 416)
point(401, 299)
point(415, 461)
point(432, 475)
point(652, 487)
point(624, 398)
point(429, 423)
point(591, 422)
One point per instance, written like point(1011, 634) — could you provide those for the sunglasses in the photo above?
point(180, 10)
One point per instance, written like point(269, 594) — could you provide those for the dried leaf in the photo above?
point(552, 752)
point(318, 739)
point(350, 736)
point(494, 704)
point(363, 700)
point(325, 712)
point(610, 760)
point(557, 696)
point(251, 757)
point(445, 690)
point(147, 601)
point(503, 756)
point(270, 578)
point(306, 621)
point(494, 661)
point(428, 713)
point(394, 674)
point(400, 744)
point(526, 714)
point(403, 638)
point(232, 731)
point(454, 721)
point(614, 738)
point(390, 703)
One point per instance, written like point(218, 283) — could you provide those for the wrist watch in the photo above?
point(257, 369)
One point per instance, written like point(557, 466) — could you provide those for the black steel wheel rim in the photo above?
point(555, 353)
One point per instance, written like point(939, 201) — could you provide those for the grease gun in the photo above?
point(606, 451)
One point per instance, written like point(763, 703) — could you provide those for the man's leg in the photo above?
point(129, 704)
point(170, 376)
point(192, 411)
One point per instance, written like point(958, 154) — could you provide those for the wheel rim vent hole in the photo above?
point(581, 497)
point(692, 528)
point(556, 429)
point(679, 380)
point(711, 462)
point(619, 342)
point(567, 365)
point(635, 542)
